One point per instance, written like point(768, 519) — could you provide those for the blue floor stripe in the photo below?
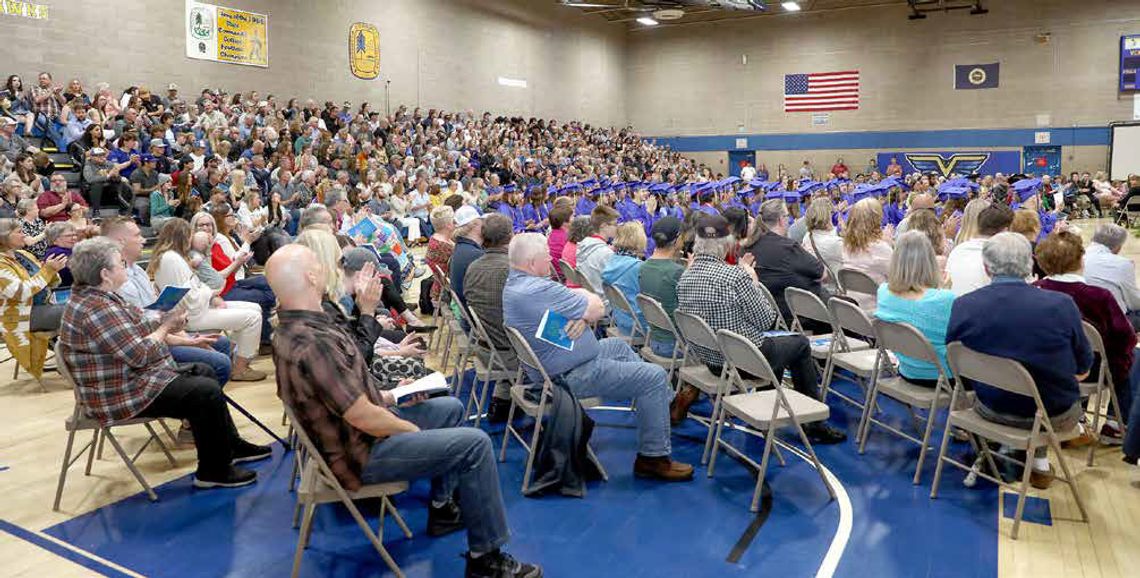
point(1036, 510)
point(67, 553)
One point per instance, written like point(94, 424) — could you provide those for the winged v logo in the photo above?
point(956, 163)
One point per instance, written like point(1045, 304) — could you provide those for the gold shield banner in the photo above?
point(364, 51)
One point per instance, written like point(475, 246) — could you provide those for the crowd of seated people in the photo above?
point(330, 201)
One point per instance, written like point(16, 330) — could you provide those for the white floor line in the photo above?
point(846, 514)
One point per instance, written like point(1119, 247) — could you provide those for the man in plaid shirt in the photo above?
point(727, 297)
point(123, 370)
point(47, 100)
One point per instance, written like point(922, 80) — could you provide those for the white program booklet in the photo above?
point(429, 384)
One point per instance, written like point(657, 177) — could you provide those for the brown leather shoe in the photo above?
point(1041, 480)
point(662, 468)
point(684, 399)
point(1084, 440)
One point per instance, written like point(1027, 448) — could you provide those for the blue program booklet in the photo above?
point(365, 228)
point(552, 329)
point(168, 299)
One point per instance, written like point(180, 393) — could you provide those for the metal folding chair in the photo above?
point(536, 410)
point(488, 363)
point(79, 421)
point(1006, 375)
point(657, 318)
point(904, 339)
point(766, 411)
point(1095, 390)
point(320, 486)
point(861, 363)
point(570, 272)
point(803, 305)
point(781, 323)
point(856, 281)
point(443, 335)
point(618, 302)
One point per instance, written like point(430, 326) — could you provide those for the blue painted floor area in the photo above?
point(625, 527)
point(1036, 510)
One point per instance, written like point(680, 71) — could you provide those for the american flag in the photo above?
point(821, 91)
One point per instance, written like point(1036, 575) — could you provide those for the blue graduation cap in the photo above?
point(1026, 188)
point(758, 182)
point(660, 188)
point(808, 187)
point(895, 182)
point(862, 191)
point(535, 188)
point(705, 191)
point(746, 191)
point(953, 190)
point(729, 181)
point(510, 188)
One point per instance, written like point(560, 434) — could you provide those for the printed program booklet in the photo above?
point(429, 384)
point(168, 299)
point(552, 329)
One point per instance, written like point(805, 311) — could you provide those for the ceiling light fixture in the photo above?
point(791, 6)
point(647, 21)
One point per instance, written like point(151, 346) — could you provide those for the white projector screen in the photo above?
point(1125, 151)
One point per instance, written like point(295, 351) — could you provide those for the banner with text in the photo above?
point(953, 163)
point(226, 35)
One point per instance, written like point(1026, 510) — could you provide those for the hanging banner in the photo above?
point(364, 51)
point(226, 35)
point(24, 9)
point(953, 163)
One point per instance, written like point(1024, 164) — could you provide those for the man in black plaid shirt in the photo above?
point(727, 297)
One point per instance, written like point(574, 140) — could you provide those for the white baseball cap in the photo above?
point(465, 215)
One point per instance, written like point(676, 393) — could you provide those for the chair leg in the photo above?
point(376, 543)
point(161, 446)
point(166, 428)
point(720, 420)
point(1026, 472)
point(769, 441)
point(1069, 477)
point(933, 411)
point(399, 519)
point(712, 426)
point(507, 432)
point(63, 468)
point(811, 452)
point(1096, 404)
point(99, 455)
point(941, 459)
point(825, 385)
point(483, 407)
point(594, 457)
point(532, 450)
point(91, 451)
point(865, 422)
point(302, 540)
point(130, 465)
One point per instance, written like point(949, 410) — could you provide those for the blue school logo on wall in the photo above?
point(953, 163)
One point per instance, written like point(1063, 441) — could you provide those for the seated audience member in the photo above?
point(61, 238)
point(1106, 268)
point(35, 229)
point(864, 247)
point(368, 439)
point(468, 247)
point(1060, 256)
point(25, 284)
point(164, 201)
point(658, 278)
point(230, 259)
point(579, 230)
point(594, 251)
point(105, 183)
point(559, 236)
point(926, 222)
point(200, 243)
point(917, 202)
point(440, 245)
point(911, 295)
point(780, 261)
point(608, 368)
point(964, 266)
point(1039, 329)
point(483, 287)
point(727, 297)
point(55, 203)
point(170, 266)
point(213, 349)
point(822, 241)
point(1027, 224)
point(123, 369)
point(623, 271)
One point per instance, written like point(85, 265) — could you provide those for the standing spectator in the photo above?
point(47, 100)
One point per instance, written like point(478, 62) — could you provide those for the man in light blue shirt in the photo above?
point(607, 368)
point(1104, 267)
point(139, 291)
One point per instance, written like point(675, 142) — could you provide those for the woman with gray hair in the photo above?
point(24, 284)
point(34, 227)
point(912, 295)
point(123, 368)
point(61, 238)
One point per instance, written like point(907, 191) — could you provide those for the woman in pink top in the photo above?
point(864, 246)
point(559, 233)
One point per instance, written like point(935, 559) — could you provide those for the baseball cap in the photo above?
point(356, 258)
point(157, 142)
point(712, 226)
point(148, 159)
point(465, 215)
point(98, 151)
point(665, 230)
point(172, 86)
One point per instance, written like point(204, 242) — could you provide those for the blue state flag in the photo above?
point(975, 76)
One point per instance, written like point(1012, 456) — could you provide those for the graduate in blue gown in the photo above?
point(535, 214)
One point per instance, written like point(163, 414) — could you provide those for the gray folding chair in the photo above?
point(488, 363)
point(458, 342)
point(618, 302)
point(657, 318)
point(1095, 390)
point(862, 363)
point(442, 336)
point(80, 421)
point(320, 486)
point(766, 411)
point(856, 281)
point(781, 323)
point(904, 339)
point(1009, 376)
point(804, 304)
point(536, 410)
point(695, 331)
point(570, 272)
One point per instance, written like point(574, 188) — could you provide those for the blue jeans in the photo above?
point(256, 290)
point(453, 457)
point(619, 372)
point(1132, 436)
point(663, 348)
point(217, 358)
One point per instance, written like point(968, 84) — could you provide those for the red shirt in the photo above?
point(51, 198)
point(220, 261)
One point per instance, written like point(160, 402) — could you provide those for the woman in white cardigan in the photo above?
point(206, 310)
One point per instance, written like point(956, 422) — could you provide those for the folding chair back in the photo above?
point(695, 330)
point(1095, 340)
point(741, 353)
point(806, 304)
point(1096, 390)
point(569, 271)
point(854, 280)
point(781, 323)
point(440, 276)
point(619, 302)
point(850, 318)
point(525, 354)
point(463, 312)
point(904, 339)
point(999, 372)
point(655, 315)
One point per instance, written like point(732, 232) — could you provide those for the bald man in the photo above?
point(366, 439)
